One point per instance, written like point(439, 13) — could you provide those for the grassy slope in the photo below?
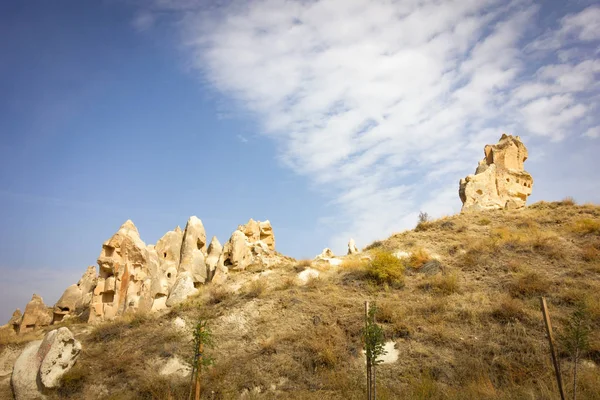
point(474, 331)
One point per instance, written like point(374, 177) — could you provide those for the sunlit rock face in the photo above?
point(500, 180)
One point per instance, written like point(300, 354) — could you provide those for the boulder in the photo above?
point(61, 351)
point(25, 371)
point(352, 249)
point(123, 265)
point(184, 288)
point(500, 180)
point(43, 362)
point(36, 315)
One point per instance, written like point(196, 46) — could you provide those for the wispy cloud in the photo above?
point(242, 138)
point(387, 104)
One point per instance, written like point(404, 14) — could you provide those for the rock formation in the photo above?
point(36, 315)
point(76, 297)
point(500, 180)
point(15, 320)
point(193, 251)
point(352, 249)
point(43, 362)
point(123, 264)
point(325, 254)
point(253, 243)
point(133, 276)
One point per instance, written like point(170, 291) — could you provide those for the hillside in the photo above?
point(473, 330)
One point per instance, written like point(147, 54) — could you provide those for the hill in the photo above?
point(461, 310)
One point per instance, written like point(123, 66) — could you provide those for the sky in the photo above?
point(332, 118)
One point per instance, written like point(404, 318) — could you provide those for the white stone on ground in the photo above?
point(307, 275)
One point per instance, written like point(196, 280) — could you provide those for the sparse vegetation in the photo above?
point(385, 268)
point(472, 332)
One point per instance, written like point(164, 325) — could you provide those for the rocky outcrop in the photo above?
point(15, 320)
point(76, 297)
point(250, 244)
point(43, 362)
point(36, 315)
point(325, 254)
point(352, 249)
point(236, 252)
point(133, 276)
point(123, 264)
point(193, 251)
point(500, 180)
point(214, 262)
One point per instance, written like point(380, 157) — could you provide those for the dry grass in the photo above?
point(418, 258)
point(586, 226)
point(474, 333)
point(254, 289)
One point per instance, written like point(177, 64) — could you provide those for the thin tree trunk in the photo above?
point(367, 351)
point(200, 350)
point(374, 371)
point(575, 375)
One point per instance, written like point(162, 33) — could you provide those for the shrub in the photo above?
point(256, 288)
point(302, 265)
point(529, 284)
point(442, 284)
point(424, 222)
point(590, 253)
point(218, 294)
point(484, 221)
point(586, 226)
point(376, 244)
point(386, 268)
point(567, 201)
point(418, 258)
point(509, 310)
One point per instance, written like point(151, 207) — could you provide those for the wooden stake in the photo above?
point(552, 348)
point(366, 351)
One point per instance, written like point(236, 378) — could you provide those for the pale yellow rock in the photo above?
point(500, 180)
point(36, 315)
point(213, 257)
point(266, 234)
point(123, 262)
point(352, 249)
point(76, 297)
point(236, 252)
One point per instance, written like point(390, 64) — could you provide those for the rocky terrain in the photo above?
point(457, 297)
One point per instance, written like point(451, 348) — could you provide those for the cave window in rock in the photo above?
point(108, 297)
point(199, 244)
point(169, 275)
point(479, 192)
point(165, 254)
point(32, 326)
point(507, 179)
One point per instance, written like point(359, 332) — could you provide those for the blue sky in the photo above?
point(333, 119)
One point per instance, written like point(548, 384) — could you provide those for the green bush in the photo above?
point(386, 268)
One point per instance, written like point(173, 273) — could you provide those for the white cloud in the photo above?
point(387, 104)
point(593, 132)
point(143, 21)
